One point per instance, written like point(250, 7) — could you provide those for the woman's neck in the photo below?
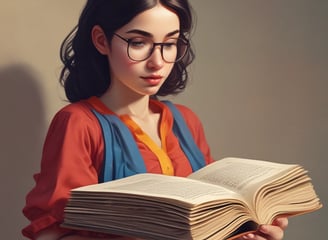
point(138, 109)
point(132, 105)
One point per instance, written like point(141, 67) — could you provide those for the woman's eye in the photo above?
point(169, 45)
point(137, 43)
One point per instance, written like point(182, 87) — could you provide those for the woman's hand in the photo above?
point(275, 231)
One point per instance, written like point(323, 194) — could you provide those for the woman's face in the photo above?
point(157, 24)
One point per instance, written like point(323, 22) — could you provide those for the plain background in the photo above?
point(258, 84)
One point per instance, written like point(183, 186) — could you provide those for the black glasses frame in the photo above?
point(128, 41)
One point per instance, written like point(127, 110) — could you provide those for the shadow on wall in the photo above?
point(22, 132)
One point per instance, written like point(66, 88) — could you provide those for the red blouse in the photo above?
point(73, 154)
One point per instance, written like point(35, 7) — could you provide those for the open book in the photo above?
point(220, 201)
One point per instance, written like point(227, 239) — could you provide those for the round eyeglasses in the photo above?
point(140, 48)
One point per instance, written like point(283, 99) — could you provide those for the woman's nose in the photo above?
point(156, 60)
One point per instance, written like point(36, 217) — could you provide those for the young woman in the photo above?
point(120, 58)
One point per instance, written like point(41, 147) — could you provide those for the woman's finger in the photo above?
point(281, 222)
point(272, 232)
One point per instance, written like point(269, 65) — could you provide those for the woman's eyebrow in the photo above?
point(147, 34)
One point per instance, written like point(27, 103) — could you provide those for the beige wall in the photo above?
point(259, 85)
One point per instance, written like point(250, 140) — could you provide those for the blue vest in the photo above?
point(122, 157)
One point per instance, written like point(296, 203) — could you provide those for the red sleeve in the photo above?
point(71, 158)
point(197, 131)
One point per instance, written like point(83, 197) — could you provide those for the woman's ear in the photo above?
point(99, 40)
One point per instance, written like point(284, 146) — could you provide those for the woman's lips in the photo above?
point(153, 79)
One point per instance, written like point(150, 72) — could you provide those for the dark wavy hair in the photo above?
point(86, 72)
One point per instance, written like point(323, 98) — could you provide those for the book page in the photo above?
point(169, 187)
point(243, 176)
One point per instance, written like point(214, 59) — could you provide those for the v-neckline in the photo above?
point(164, 127)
